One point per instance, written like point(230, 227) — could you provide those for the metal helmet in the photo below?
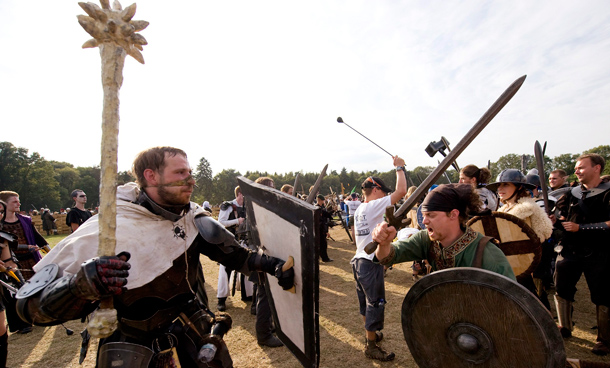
point(511, 176)
point(533, 179)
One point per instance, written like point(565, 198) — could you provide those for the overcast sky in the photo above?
point(258, 85)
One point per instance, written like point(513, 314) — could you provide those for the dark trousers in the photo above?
point(324, 247)
point(596, 268)
point(3, 349)
point(370, 289)
point(264, 323)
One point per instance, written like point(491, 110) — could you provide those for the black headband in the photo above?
point(448, 197)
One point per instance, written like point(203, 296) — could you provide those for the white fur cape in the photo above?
point(527, 210)
point(153, 242)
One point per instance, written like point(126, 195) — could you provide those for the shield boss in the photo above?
point(518, 241)
point(471, 317)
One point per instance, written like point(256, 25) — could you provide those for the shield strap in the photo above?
point(478, 258)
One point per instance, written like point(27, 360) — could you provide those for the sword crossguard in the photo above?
point(397, 221)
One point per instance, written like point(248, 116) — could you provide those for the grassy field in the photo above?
point(341, 327)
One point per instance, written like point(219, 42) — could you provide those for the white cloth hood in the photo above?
point(153, 242)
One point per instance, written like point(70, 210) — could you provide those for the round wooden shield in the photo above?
point(518, 241)
point(471, 317)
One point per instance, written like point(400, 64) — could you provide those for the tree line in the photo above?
point(42, 183)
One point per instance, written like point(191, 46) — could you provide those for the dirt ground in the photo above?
point(341, 327)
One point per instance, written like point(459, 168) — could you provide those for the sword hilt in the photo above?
point(397, 221)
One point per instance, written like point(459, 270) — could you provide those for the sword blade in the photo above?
point(295, 186)
point(461, 146)
point(312, 196)
point(540, 166)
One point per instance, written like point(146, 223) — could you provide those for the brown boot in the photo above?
point(374, 351)
point(603, 331)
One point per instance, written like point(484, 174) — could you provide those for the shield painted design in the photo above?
point(283, 226)
point(518, 240)
point(471, 317)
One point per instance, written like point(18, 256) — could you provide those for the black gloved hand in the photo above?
point(284, 278)
point(113, 272)
point(272, 266)
point(102, 276)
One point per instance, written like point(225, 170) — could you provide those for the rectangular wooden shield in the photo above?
point(283, 226)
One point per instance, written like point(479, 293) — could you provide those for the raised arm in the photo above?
point(401, 180)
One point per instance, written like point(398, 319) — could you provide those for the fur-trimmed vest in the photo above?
point(527, 210)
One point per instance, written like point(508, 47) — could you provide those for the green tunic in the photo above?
point(459, 254)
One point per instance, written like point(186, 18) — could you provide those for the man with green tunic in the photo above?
point(446, 242)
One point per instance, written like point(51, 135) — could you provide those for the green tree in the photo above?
point(565, 162)
point(420, 173)
point(30, 176)
point(67, 177)
point(224, 184)
point(90, 183)
point(40, 188)
point(204, 179)
point(510, 161)
point(124, 177)
point(13, 162)
point(345, 181)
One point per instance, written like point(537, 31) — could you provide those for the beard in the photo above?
point(173, 198)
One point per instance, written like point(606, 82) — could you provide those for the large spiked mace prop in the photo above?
point(114, 32)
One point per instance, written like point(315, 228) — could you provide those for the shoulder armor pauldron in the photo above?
point(577, 190)
point(225, 205)
point(213, 232)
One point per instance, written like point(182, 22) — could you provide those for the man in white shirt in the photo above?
point(368, 275)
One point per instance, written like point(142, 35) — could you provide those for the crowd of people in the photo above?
point(166, 306)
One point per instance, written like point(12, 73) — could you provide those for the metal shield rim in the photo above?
point(534, 309)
